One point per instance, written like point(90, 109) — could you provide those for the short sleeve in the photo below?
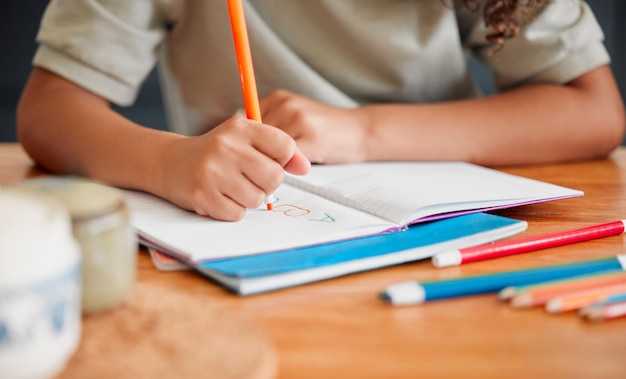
point(105, 46)
point(561, 43)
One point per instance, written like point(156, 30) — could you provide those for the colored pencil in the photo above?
point(246, 69)
point(613, 299)
point(604, 312)
point(540, 294)
point(577, 300)
point(414, 292)
point(509, 292)
point(527, 244)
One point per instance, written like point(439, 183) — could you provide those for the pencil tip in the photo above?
point(506, 293)
point(554, 306)
point(446, 259)
point(523, 300)
point(405, 293)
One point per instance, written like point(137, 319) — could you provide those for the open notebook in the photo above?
point(337, 202)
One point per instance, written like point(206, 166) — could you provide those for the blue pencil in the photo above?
point(415, 292)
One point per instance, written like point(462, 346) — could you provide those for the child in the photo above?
point(340, 81)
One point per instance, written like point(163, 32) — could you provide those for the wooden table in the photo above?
point(339, 328)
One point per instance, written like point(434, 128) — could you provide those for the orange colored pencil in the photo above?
point(583, 298)
point(246, 70)
point(541, 294)
point(244, 60)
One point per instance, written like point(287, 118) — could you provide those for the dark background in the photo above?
point(21, 21)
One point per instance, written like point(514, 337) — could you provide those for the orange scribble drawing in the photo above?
point(291, 210)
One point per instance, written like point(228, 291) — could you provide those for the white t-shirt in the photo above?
point(346, 53)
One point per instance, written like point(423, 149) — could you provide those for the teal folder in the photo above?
point(271, 271)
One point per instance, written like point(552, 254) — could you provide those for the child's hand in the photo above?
point(230, 168)
point(324, 133)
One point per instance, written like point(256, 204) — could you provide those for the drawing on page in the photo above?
point(326, 218)
point(291, 210)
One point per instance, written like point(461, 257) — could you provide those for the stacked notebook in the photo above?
point(342, 219)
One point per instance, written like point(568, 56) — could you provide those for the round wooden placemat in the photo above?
point(163, 333)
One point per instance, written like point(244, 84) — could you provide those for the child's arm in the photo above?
point(72, 131)
point(530, 124)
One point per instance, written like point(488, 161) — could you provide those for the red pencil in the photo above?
point(524, 245)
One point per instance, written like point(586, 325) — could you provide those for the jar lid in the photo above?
point(83, 198)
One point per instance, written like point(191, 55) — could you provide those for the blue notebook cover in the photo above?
point(265, 272)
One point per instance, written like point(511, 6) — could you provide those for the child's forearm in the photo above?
point(532, 124)
point(71, 131)
point(219, 174)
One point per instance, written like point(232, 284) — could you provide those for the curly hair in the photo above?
point(505, 17)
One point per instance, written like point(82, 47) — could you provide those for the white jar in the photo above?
point(40, 281)
point(101, 225)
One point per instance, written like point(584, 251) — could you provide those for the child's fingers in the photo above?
point(298, 164)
